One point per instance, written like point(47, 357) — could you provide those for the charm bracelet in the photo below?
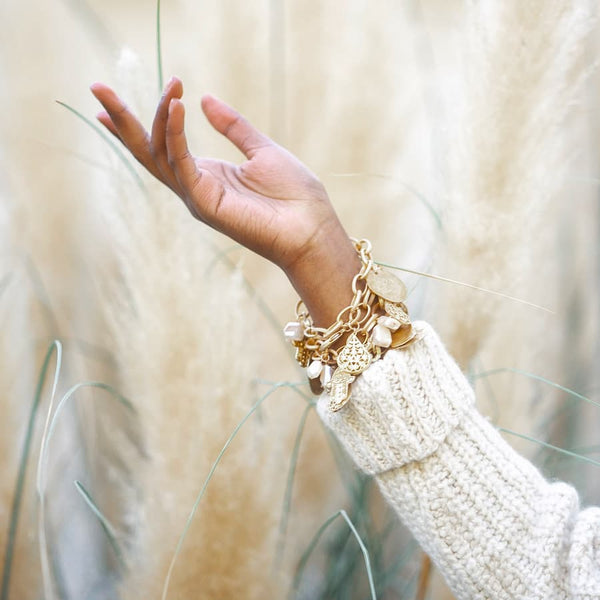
point(375, 321)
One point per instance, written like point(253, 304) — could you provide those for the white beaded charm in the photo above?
point(381, 336)
point(389, 322)
point(294, 331)
point(313, 371)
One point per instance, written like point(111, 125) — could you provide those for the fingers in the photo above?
point(120, 121)
point(105, 119)
point(234, 126)
point(173, 89)
point(201, 190)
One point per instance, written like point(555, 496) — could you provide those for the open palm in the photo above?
point(271, 203)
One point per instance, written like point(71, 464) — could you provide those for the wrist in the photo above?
point(323, 275)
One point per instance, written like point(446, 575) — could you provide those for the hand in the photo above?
point(272, 203)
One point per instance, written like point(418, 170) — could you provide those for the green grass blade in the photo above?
point(49, 427)
point(287, 499)
point(307, 553)
point(467, 285)
point(20, 484)
point(562, 388)
point(108, 529)
point(45, 559)
point(364, 551)
point(120, 154)
point(309, 550)
point(552, 447)
point(69, 394)
point(159, 49)
point(200, 495)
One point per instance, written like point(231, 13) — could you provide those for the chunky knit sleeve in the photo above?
point(491, 523)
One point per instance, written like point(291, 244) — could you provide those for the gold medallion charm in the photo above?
point(397, 311)
point(402, 337)
point(386, 285)
point(339, 389)
point(354, 358)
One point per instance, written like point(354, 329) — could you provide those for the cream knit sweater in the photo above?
point(491, 523)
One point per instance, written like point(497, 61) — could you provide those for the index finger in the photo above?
point(130, 131)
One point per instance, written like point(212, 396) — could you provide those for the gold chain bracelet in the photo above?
point(375, 321)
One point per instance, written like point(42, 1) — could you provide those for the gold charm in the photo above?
point(354, 358)
point(386, 285)
point(402, 337)
point(302, 354)
point(339, 389)
point(397, 311)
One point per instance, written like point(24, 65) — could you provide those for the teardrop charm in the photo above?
point(354, 358)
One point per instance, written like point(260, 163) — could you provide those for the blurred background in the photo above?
point(136, 345)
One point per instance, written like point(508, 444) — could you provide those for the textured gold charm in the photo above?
point(302, 354)
point(402, 337)
point(397, 311)
point(339, 389)
point(386, 285)
point(354, 358)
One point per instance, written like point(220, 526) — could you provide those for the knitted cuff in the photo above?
point(403, 406)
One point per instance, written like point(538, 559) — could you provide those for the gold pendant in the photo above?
point(354, 358)
point(402, 337)
point(339, 389)
point(386, 285)
point(397, 311)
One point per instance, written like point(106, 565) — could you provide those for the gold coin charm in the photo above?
point(397, 311)
point(354, 357)
point(386, 285)
point(402, 337)
point(339, 389)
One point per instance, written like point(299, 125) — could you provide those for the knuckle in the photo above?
point(237, 120)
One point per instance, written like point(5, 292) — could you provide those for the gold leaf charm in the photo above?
point(386, 285)
point(397, 311)
point(339, 389)
point(354, 358)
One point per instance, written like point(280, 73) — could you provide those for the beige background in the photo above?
point(460, 138)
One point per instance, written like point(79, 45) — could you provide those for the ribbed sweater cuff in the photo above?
point(403, 406)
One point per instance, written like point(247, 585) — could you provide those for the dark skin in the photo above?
point(271, 203)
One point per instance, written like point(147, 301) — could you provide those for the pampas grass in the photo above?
point(446, 134)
